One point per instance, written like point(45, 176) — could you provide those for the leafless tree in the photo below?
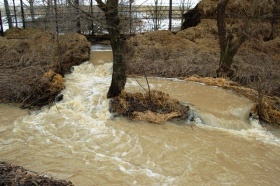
point(8, 14)
point(1, 25)
point(157, 12)
point(32, 11)
point(184, 6)
point(228, 45)
point(275, 15)
point(110, 8)
point(78, 22)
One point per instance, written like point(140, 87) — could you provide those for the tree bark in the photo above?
point(78, 22)
point(22, 14)
point(228, 46)
point(32, 12)
point(1, 25)
point(8, 14)
point(223, 41)
point(118, 76)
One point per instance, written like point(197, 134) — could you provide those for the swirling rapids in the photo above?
point(79, 140)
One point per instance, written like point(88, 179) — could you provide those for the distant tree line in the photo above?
point(88, 18)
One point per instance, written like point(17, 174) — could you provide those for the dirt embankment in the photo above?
point(33, 63)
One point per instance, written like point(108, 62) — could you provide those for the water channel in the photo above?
point(79, 140)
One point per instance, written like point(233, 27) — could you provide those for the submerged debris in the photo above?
point(15, 175)
point(154, 106)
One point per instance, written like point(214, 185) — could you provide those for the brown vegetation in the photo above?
point(13, 175)
point(33, 62)
point(195, 52)
point(162, 53)
point(268, 108)
point(153, 106)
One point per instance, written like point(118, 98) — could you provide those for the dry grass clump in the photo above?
point(56, 81)
point(204, 36)
point(272, 46)
point(207, 28)
point(234, 8)
point(167, 55)
point(31, 69)
point(154, 106)
point(195, 51)
point(74, 48)
point(18, 33)
point(268, 108)
point(15, 175)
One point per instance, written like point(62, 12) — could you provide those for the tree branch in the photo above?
point(244, 33)
point(221, 23)
point(101, 5)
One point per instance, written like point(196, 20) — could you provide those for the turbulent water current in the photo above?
point(79, 140)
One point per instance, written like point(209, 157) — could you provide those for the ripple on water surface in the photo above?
point(78, 139)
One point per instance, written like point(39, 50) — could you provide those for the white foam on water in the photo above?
point(83, 110)
point(255, 132)
point(78, 124)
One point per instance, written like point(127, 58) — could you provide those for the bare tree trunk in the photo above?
point(1, 25)
point(15, 12)
point(47, 10)
point(32, 12)
point(78, 22)
point(91, 26)
point(118, 77)
point(56, 17)
point(22, 14)
point(276, 10)
point(170, 15)
point(225, 60)
point(228, 46)
point(156, 22)
point(8, 14)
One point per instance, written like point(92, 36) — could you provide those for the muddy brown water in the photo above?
point(77, 139)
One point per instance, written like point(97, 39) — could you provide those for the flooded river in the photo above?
point(78, 139)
